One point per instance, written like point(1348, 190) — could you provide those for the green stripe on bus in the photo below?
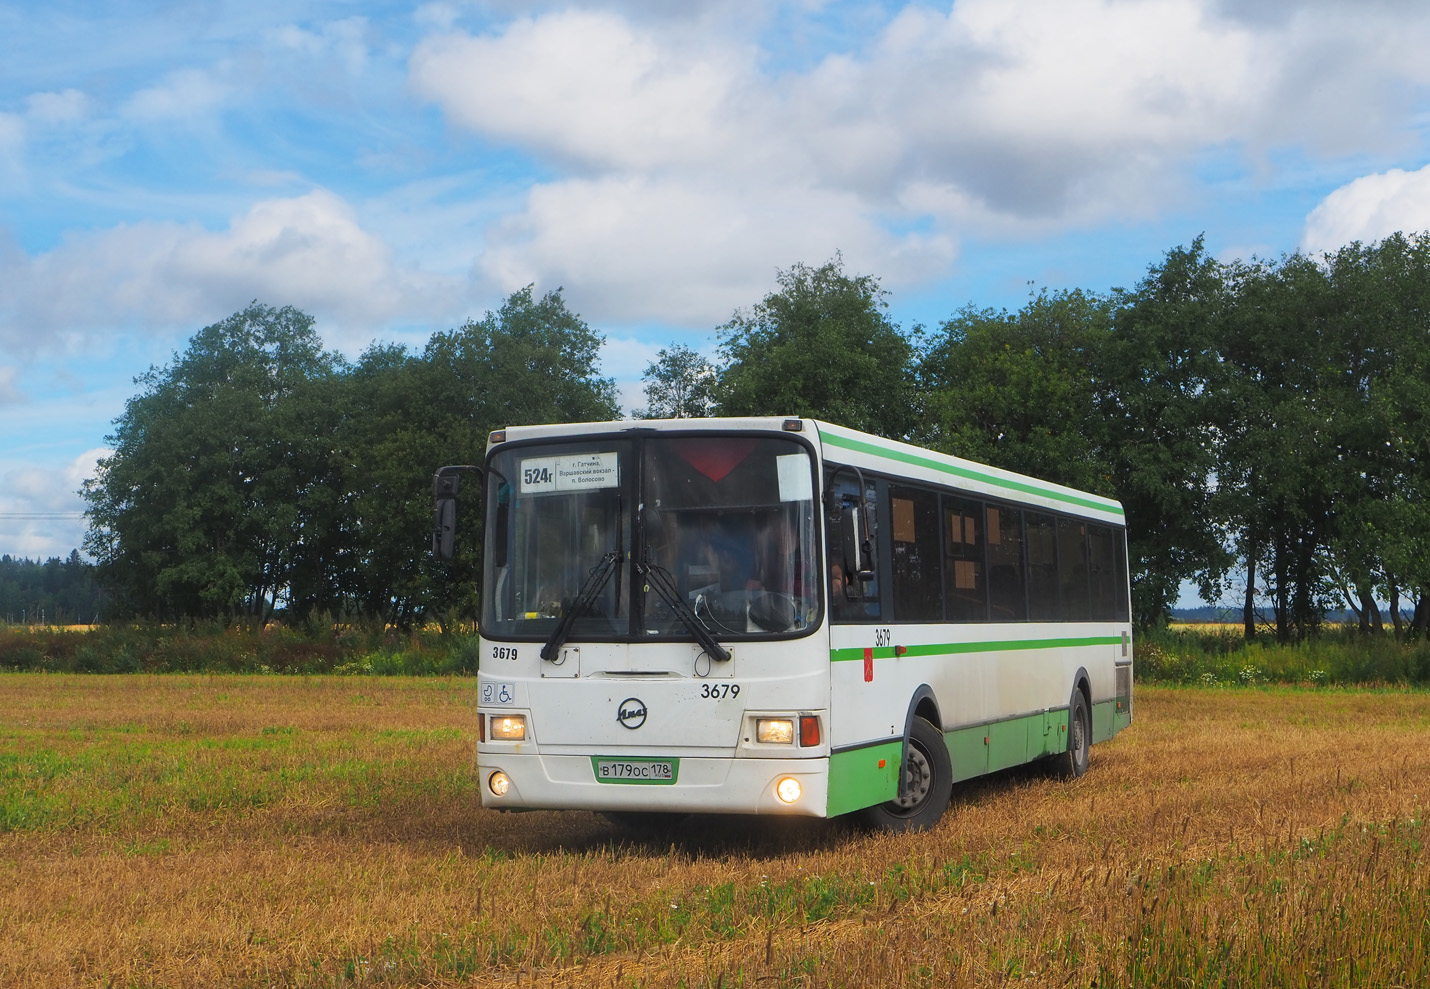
point(855, 653)
point(980, 749)
point(1023, 487)
point(857, 780)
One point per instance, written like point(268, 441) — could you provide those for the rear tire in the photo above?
point(926, 786)
point(1071, 764)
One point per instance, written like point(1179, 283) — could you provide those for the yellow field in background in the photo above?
point(255, 831)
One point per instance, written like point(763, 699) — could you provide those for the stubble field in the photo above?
point(255, 831)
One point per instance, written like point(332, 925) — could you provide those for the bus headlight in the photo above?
point(509, 728)
point(775, 731)
point(788, 789)
point(499, 783)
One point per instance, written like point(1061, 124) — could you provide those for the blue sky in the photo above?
point(395, 169)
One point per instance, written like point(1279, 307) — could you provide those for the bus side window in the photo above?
point(1072, 569)
point(966, 593)
point(917, 578)
point(1044, 604)
point(1103, 569)
point(1007, 598)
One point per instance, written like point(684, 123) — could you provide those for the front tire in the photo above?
point(926, 786)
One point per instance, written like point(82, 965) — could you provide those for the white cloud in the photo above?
point(309, 251)
point(1007, 115)
point(632, 249)
point(588, 87)
point(41, 492)
point(346, 39)
point(62, 107)
point(625, 359)
point(184, 93)
point(688, 175)
point(1369, 209)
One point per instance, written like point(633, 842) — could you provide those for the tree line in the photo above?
point(1265, 423)
point(55, 592)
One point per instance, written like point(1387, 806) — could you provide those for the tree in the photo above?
point(212, 492)
point(680, 384)
point(821, 346)
point(1016, 390)
point(1156, 372)
point(531, 361)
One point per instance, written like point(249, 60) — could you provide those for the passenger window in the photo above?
point(1102, 566)
point(1044, 603)
point(1007, 600)
point(966, 595)
point(917, 578)
point(1072, 570)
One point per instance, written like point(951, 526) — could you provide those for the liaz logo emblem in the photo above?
point(631, 713)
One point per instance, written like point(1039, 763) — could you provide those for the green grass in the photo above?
point(212, 648)
point(1223, 657)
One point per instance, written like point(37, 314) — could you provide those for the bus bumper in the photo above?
point(702, 786)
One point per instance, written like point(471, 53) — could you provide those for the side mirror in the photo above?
point(444, 510)
point(444, 515)
point(855, 539)
point(858, 547)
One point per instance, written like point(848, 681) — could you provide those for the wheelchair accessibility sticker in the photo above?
point(496, 693)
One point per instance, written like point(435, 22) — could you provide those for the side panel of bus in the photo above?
point(998, 690)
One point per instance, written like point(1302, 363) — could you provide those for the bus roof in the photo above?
point(866, 451)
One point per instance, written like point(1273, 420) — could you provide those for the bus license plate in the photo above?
point(650, 771)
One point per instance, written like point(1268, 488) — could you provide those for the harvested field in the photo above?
point(254, 831)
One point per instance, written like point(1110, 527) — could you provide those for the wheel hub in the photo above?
point(918, 777)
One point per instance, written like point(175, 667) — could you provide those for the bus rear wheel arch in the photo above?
point(925, 787)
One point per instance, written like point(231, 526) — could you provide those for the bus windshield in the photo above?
point(640, 539)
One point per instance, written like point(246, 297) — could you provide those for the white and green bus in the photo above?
point(782, 616)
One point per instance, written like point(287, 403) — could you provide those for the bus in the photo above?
point(781, 616)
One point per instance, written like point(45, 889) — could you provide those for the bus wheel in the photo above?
point(927, 784)
point(1071, 764)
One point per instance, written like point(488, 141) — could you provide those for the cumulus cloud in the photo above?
point(1369, 209)
point(590, 88)
point(309, 251)
point(633, 249)
point(684, 169)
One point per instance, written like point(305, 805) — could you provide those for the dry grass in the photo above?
point(253, 831)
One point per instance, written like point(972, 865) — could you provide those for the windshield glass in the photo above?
point(725, 525)
point(731, 520)
point(555, 514)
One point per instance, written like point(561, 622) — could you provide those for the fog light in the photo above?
point(788, 789)
point(499, 783)
point(509, 728)
point(776, 731)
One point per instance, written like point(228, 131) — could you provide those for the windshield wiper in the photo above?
point(585, 597)
point(660, 581)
